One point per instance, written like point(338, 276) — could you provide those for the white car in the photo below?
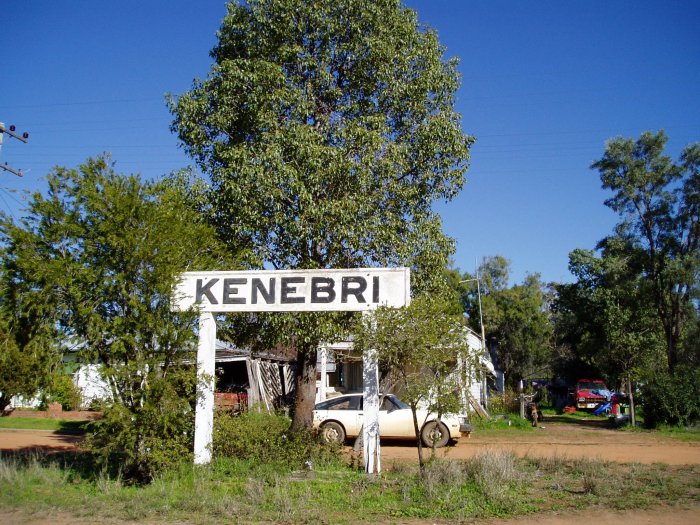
point(341, 417)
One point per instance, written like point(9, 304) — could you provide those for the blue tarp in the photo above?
point(602, 408)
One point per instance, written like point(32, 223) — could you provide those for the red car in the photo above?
point(590, 393)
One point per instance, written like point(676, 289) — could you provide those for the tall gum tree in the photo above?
point(659, 204)
point(328, 130)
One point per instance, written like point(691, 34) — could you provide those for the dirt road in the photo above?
point(552, 438)
point(582, 440)
point(44, 440)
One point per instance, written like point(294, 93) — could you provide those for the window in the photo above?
point(388, 404)
point(341, 403)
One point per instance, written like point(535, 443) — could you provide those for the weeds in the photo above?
point(494, 473)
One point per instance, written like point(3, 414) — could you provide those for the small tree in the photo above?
point(102, 252)
point(418, 346)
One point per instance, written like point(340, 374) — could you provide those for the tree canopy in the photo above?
point(328, 130)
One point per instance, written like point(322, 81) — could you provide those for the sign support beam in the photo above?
point(370, 411)
point(204, 415)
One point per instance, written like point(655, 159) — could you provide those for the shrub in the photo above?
point(506, 403)
point(141, 441)
point(673, 399)
point(493, 472)
point(62, 389)
point(263, 437)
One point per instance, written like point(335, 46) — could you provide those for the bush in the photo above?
point(62, 389)
point(506, 403)
point(263, 437)
point(493, 472)
point(142, 441)
point(672, 399)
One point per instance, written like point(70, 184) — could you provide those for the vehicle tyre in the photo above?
point(332, 432)
point(434, 432)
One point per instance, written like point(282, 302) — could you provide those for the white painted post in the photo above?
point(204, 416)
point(370, 410)
point(324, 374)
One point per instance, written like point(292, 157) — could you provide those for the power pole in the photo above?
point(11, 132)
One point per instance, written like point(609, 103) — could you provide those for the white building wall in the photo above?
point(93, 387)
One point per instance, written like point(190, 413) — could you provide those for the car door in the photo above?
point(395, 419)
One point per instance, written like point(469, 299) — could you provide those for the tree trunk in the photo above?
point(305, 390)
point(633, 416)
point(433, 450)
point(421, 463)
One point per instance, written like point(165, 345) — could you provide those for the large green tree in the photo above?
point(659, 204)
point(101, 251)
point(328, 130)
point(608, 314)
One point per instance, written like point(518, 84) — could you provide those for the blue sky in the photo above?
point(544, 85)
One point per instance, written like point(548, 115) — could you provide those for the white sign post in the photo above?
point(370, 411)
point(206, 362)
point(351, 290)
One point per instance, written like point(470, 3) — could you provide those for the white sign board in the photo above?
point(350, 290)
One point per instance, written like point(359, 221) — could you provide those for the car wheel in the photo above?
point(432, 432)
point(332, 432)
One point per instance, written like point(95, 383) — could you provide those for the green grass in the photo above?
point(501, 425)
point(33, 423)
point(230, 490)
point(686, 434)
point(512, 424)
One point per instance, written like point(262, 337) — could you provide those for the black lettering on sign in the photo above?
point(375, 289)
point(205, 290)
point(322, 290)
point(287, 290)
point(267, 294)
point(230, 291)
point(353, 286)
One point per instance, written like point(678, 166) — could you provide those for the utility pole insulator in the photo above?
point(11, 132)
point(22, 138)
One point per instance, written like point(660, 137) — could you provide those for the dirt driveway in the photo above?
point(586, 439)
point(40, 440)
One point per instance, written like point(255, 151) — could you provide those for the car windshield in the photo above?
point(399, 403)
